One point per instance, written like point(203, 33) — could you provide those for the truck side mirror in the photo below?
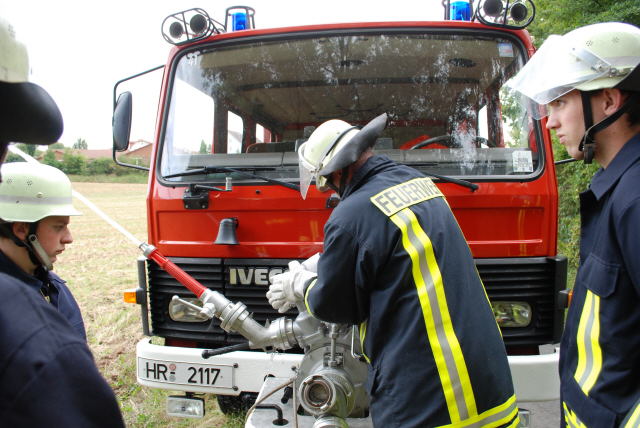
point(122, 121)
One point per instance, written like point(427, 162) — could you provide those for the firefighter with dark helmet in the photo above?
point(28, 114)
point(47, 374)
point(396, 263)
point(588, 83)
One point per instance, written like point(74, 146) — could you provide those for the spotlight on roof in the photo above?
point(492, 7)
point(515, 15)
point(188, 26)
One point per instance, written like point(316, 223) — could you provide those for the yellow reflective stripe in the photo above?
point(306, 294)
point(633, 418)
point(571, 419)
point(515, 423)
point(444, 344)
point(587, 341)
point(495, 417)
point(363, 334)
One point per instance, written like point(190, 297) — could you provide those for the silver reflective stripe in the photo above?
point(497, 419)
point(587, 341)
point(505, 413)
point(452, 375)
point(31, 200)
point(633, 417)
point(571, 419)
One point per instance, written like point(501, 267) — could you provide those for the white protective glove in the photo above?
point(311, 264)
point(288, 288)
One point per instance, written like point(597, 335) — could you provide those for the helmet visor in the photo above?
point(556, 69)
point(307, 172)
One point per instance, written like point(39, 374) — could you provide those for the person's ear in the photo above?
point(612, 100)
point(20, 229)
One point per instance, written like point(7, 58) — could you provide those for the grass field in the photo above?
point(98, 266)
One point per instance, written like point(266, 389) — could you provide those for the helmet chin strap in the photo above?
point(343, 182)
point(37, 254)
point(588, 143)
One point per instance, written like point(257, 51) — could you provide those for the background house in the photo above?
point(139, 152)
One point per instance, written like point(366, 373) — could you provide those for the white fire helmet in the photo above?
point(334, 145)
point(328, 139)
point(592, 57)
point(30, 192)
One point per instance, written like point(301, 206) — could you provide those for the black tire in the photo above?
point(230, 404)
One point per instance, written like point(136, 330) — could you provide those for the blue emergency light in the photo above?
point(460, 10)
point(241, 18)
point(239, 21)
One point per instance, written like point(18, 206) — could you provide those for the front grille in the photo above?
point(213, 274)
point(535, 281)
point(532, 280)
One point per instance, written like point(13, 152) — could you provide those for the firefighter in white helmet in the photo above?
point(47, 374)
point(35, 207)
point(396, 263)
point(588, 82)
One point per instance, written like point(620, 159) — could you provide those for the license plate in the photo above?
point(219, 376)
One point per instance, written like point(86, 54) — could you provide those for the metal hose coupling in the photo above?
point(328, 392)
point(236, 318)
point(330, 422)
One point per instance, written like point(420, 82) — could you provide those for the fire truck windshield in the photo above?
point(250, 103)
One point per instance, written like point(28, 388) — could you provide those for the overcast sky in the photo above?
point(79, 49)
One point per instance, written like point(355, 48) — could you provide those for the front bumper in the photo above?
point(535, 377)
point(248, 369)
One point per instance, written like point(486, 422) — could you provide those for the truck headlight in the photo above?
point(512, 314)
point(180, 312)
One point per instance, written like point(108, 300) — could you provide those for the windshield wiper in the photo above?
point(213, 169)
point(464, 183)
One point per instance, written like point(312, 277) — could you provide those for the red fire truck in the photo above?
point(236, 102)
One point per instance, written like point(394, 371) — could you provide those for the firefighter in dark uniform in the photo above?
point(35, 205)
point(396, 263)
point(589, 82)
point(48, 377)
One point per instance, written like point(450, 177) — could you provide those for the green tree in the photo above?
point(573, 178)
point(100, 166)
point(80, 144)
point(73, 164)
point(12, 157)
point(50, 159)
point(560, 16)
point(29, 149)
point(204, 147)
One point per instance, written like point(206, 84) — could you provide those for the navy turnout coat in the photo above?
point(59, 294)
point(48, 377)
point(396, 262)
point(600, 349)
